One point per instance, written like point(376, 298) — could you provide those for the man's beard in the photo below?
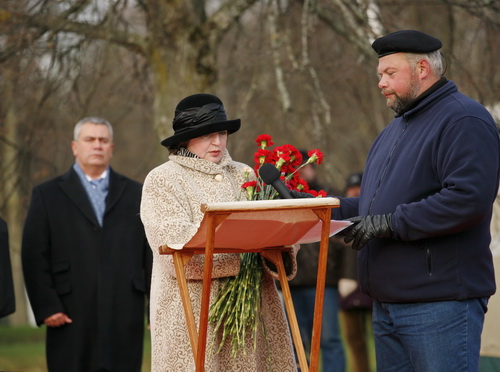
point(401, 103)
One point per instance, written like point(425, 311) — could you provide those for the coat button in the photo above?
point(219, 177)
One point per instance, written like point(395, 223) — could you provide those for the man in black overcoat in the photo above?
point(86, 261)
point(7, 297)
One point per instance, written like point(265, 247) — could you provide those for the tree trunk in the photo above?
point(12, 199)
point(174, 77)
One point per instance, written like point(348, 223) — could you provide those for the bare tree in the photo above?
point(302, 71)
point(177, 38)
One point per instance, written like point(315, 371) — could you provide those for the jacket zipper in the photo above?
point(378, 186)
point(428, 258)
point(387, 164)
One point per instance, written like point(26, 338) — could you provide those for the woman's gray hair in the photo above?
point(92, 120)
point(434, 59)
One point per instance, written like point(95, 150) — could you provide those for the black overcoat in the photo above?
point(7, 297)
point(98, 276)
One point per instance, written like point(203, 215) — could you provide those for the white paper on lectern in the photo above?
point(314, 235)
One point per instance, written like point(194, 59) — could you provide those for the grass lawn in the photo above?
point(22, 349)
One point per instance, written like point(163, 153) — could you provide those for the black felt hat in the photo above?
point(408, 41)
point(198, 115)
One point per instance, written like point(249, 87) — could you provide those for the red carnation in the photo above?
point(249, 184)
point(315, 156)
point(282, 159)
point(264, 140)
point(302, 185)
point(288, 170)
point(271, 157)
point(296, 157)
point(285, 149)
point(322, 194)
point(250, 187)
point(292, 183)
point(260, 156)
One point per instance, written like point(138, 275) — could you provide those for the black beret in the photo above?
point(408, 41)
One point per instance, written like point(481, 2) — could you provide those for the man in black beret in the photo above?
point(406, 48)
point(422, 220)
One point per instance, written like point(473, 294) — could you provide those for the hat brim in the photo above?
point(200, 130)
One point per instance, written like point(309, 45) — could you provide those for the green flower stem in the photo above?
point(236, 306)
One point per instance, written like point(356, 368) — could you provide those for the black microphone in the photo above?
point(271, 176)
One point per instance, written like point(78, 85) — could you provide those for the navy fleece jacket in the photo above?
point(436, 169)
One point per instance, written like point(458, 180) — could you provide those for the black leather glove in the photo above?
point(348, 229)
point(367, 228)
point(298, 195)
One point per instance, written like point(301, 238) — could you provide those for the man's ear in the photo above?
point(73, 147)
point(423, 68)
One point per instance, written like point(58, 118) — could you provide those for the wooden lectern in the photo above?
point(268, 227)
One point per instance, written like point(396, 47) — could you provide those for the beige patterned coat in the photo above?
point(170, 211)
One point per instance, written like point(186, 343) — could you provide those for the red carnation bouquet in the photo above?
point(288, 160)
point(236, 308)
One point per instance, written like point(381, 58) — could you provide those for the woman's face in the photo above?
point(209, 147)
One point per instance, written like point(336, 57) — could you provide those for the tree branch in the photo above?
point(228, 14)
point(274, 36)
point(126, 39)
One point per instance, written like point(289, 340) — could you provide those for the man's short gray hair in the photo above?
point(93, 120)
point(434, 59)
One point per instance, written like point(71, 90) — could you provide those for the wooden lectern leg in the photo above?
point(324, 215)
point(180, 259)
point(276, 258)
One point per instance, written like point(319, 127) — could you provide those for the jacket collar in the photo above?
point(72, 187)
point(440, 89)
point(202, 165)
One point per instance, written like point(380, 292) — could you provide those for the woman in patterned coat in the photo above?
point(200, 170)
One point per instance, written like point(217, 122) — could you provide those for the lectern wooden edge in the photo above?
point(216, 213)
